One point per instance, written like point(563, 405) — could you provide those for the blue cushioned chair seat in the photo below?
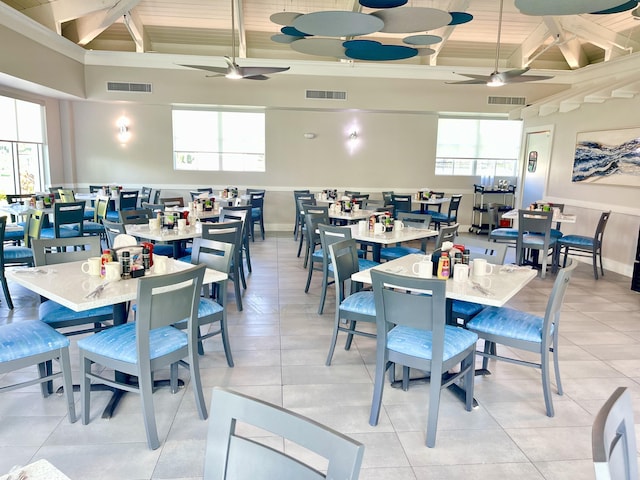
point(186, 258)
point(555, 233)
point(360, 302)
point(113, 216)
point(31, 337)
point(89, 213)
point(208, 306)
point(92, 227)
point(577, 241)
point(417, 343)
point(50, 312)
point(318, 255)
point(363, 263)
point(441, 217)
point(120, 342)
point(17, 253)
point(165, 250)
point(468, 309)
point(536, 239)
point(256, 212)
point(391, 253)
point(505, 232)
point(508, 322)
point(65, 232)
point(14, 235)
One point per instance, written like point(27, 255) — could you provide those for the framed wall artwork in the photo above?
point(608, 157)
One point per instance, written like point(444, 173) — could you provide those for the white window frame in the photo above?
point(461, 152)
point(218, 139)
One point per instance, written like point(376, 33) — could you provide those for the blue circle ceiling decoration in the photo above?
point(375, 51)
point(294, 32)
point(412, 19)
point(281, 38)
point(338, 23)
point(382, 3)
point(620, 8)
point(458, 18)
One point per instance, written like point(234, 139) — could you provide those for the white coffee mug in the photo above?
point(363, 226)
point(160, 264)
point(182, 223)
point(481, 267)
point(112, 271)
point(423, 269)
point(460, 272)
point(154, 224)
point(378, 228)
point(92, 266)
point(398, 225)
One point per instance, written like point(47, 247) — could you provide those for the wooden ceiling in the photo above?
point(203, 27)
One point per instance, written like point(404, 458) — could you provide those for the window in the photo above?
point(478, 147)
point(218, 140)
point(21, 146)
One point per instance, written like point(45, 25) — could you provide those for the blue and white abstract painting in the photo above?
point(610, 157)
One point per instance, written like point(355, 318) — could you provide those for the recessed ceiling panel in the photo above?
point(564, 7)
point(338, 23)
point(422, 39)
point(284, 18)
point(412, 19)
point(324, 47)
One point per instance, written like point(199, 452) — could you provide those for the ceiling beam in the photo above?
point(53, 14)
point(137, 31)
point(521, 57)
point(569, 45)
point(90, 26)
point(455, 6)
point(612, 43)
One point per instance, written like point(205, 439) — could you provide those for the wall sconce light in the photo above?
point(353, 135)
point(124, 135)
point(309, 135)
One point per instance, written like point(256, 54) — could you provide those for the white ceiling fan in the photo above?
point(497, 78)
point(233, 70)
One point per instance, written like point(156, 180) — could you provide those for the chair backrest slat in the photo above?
point(50, 251)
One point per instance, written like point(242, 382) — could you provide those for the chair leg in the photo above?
point(5, 288)
point(45, 387)
point(309, 274)
point(468, 379)
point(65, 366)
point(434, 407)
point(85, 388)
point(323, 293)
point(406, 372)
point(488, 347)
point(595, 264)
point(334, 337)
point(352, 327)
point(546, 383)
point(300, 244)
point(378, 387)
point(556, 365)
point(236, 288)
point(247, 254)
point(196, 384)
point(262, 226)
point(601, 267)
point(225, 341)
point(145, 385)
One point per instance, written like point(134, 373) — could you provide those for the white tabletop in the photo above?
point(557, 216)
point(40, 470)
point(432, 201)
point(20, 209)
point(502, 285)
point(353, 215)
point(66, 284)
point(388, 238)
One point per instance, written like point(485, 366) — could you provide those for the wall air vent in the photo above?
point(128, 87)
point(506, 100)
point(325, 95)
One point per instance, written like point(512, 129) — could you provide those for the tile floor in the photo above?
point(279, 345)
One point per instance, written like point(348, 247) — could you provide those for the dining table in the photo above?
point(68, 285)
point(378, 240)
point(352, 216)
point(39, 470)
point(558, 216)
point(174, 236)
point(424, 202)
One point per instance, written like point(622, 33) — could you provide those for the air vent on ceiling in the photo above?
point(506, 100)
point(325, 95)
point(128, 87)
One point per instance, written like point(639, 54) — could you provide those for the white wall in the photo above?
point(589, 200)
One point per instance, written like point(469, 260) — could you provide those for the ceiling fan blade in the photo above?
point(219, 70)
point(527, 78)
point(516, 72)
point(476, 79)
point(253, 71)
point(256, 77)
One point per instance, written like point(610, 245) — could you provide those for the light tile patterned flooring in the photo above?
point(279, 345)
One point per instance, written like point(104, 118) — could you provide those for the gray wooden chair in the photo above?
point(217, 256)
point(149, 344)
point(613, 439)
point(352, 305)
point(31, 342)
point(534, 236)
point(412, 332)
point(229, 455)
point(521, 330)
